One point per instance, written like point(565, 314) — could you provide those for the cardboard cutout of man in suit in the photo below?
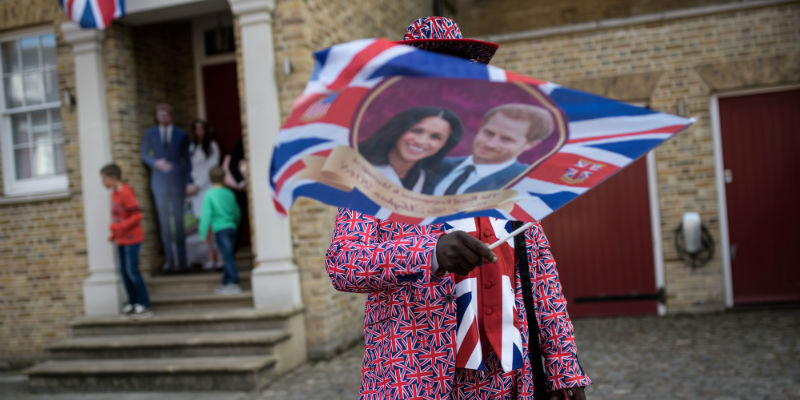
point(506, 132)
point(165, 149)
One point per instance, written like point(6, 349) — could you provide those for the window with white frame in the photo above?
point(31, 129)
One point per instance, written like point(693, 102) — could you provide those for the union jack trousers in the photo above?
point(410, 315)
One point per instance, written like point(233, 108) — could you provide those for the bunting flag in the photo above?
point(93, 14)
point(357, 88)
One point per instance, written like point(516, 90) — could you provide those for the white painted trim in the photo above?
point(24, 199)
point(137, 6)
point(101, 290)
point(275, 278)
point(25, 32)
point(199, 25)
point(635, 20)
point(36, 186)
point(722, 204)
point(655, 225)
point(719, 172)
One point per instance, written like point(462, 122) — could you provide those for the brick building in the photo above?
point(91, 94)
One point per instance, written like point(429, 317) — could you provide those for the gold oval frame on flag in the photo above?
point(469, 100)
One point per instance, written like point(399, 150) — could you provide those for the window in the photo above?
point(31, 128)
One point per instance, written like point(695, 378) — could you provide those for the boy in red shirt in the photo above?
point(127, 233)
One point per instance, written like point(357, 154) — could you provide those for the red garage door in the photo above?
point(760, 143)
point(603, 247)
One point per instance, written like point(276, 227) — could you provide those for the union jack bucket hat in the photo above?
point(442, 35)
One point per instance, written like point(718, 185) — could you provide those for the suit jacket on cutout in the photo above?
point(177, 152)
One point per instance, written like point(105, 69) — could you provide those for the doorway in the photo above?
point(759, 138)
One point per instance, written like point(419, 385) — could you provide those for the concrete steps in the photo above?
point(195, 340)
point(168, 345)
point(197, 283)
point(186, 321)
point(202, 301)
point(197, 373)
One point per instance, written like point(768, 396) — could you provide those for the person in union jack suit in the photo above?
point(445, 316)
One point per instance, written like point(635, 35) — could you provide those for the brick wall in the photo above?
point(42, 243)
point(483, 17)
point(333, 319)
point(678, 61)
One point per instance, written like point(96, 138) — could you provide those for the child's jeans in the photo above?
point(131, 277)
point(226, 240)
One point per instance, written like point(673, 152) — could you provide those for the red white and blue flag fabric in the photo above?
point(93, 14)
point(600, 136)
point(485, 302)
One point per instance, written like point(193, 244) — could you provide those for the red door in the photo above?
point(221, 89)
point(760, 140)
point(603, 247)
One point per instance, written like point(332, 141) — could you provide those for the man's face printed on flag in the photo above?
point(501, 139)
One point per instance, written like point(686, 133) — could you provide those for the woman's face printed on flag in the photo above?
point(422, 140)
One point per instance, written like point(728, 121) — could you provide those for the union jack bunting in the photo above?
point(600, 134)
point(94, 14)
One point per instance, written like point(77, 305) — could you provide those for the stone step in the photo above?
point(190, 283)
point(244, 263)
point(202, 301)
point(165, 374)
point(182, 321)
point(169, 345)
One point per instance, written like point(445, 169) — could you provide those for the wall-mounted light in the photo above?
point(69, 98)
point(287, 65)
point(681, 108)
point(693, 242)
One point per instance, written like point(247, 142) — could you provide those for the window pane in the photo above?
point(22, 163)
point(40, 126)
point(59, 153)
point(10, 59)
point(14, 92)
point(49, 49)
point(44, 160)
point(30, 52)
point(51, 85)
point(19, 128)
point(34, 88)
point(55, 118)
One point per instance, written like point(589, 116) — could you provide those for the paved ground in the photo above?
point(735, 355)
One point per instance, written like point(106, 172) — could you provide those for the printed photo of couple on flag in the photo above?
point(460, 137)
point(419, 137)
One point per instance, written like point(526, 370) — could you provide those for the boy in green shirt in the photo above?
point(221, 212)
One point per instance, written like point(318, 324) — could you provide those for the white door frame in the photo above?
point(199, 25)
point(719, 172)
point(655, 225)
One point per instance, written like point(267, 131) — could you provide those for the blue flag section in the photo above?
point(419, 137)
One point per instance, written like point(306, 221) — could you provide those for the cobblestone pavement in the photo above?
point(752, 354)
point(734, 355)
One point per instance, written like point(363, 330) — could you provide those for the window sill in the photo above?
point(31, 198)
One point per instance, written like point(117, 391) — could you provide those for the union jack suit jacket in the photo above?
point(410, 316)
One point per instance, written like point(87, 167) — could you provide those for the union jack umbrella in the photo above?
point(356, 86)
point(93, 14)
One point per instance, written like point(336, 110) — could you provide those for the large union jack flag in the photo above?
point(604, 135)
point(95, 14)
